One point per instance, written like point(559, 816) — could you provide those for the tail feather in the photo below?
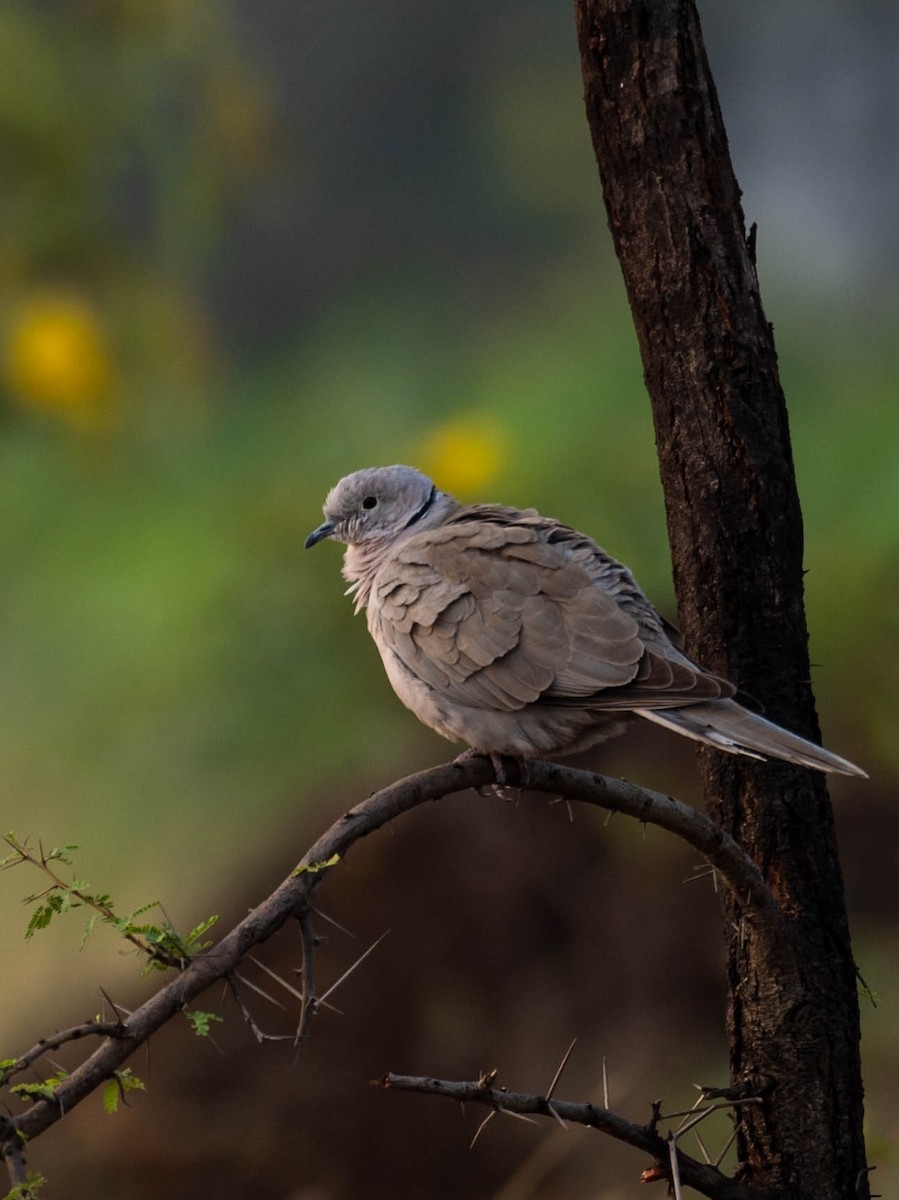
point(732, 728)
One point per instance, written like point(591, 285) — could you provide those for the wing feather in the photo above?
point(492, 614)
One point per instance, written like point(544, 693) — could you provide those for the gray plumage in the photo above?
point(517, 635)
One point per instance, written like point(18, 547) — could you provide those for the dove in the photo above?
point(521, 637)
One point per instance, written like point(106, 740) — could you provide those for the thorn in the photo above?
point(727, 1145)
point(561, 1068)
point(556, 1115)
point(480, 1129)
point(330, 920)
point(260, 991)
point(278, 979)
point(675, 1167)
point(507, 1112)
point(350, 970)
point(702, 872)
point(705, 1153)
point(118, 1009)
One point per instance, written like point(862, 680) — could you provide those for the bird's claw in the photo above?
point(510, 774)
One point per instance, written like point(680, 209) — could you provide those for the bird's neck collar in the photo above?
point(423, 508)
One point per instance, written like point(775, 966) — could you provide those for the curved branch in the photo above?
point(701, 1176)
point(694, 827)
point(294, 896)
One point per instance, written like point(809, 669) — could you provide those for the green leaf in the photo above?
point(89, 926)
point(199, 930)
point(115, 1090)
point(59, 854)
point(154, 935)
point(865, 992)
point(314, 868)
point(111, 1095)
point(7, 1066)
point(28, 1190)
point(201, 1021)
point(40, 1091)
point(43, 914)
point(18, 854)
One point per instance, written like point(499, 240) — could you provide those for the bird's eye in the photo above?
point(370, 502)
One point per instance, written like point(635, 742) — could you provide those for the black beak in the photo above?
point(318, 535)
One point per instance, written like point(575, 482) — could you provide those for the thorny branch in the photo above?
point(704, 1177)
point(92, 1028)
point(294, 896)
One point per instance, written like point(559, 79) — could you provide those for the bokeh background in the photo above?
point(247, 248)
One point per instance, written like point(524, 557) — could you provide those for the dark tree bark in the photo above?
point(736, 536)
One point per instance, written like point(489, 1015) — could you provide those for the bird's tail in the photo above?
point(732, 728)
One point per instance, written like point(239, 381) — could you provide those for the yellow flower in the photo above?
point(463, 455)
point(57, 358)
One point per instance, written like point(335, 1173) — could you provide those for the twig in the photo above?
point(154, 953)
point(309, 999)
point(258, 1033)
point(12, 1153)
point(692, 1173)
point(112, 1029)
point(692, 1117)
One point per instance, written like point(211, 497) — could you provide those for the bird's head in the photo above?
point(376, 504)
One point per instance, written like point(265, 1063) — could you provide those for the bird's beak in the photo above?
point(318, 535)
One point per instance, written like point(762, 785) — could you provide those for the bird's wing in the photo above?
point(492, 615)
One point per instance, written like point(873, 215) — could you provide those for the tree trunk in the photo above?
point(736, 536)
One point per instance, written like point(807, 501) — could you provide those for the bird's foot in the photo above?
point(510, 771)
point(510, 774)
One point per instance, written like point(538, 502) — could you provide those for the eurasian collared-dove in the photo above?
point(514, 633)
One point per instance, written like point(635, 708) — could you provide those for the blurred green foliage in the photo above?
point(167, 647)
point(127, 133)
